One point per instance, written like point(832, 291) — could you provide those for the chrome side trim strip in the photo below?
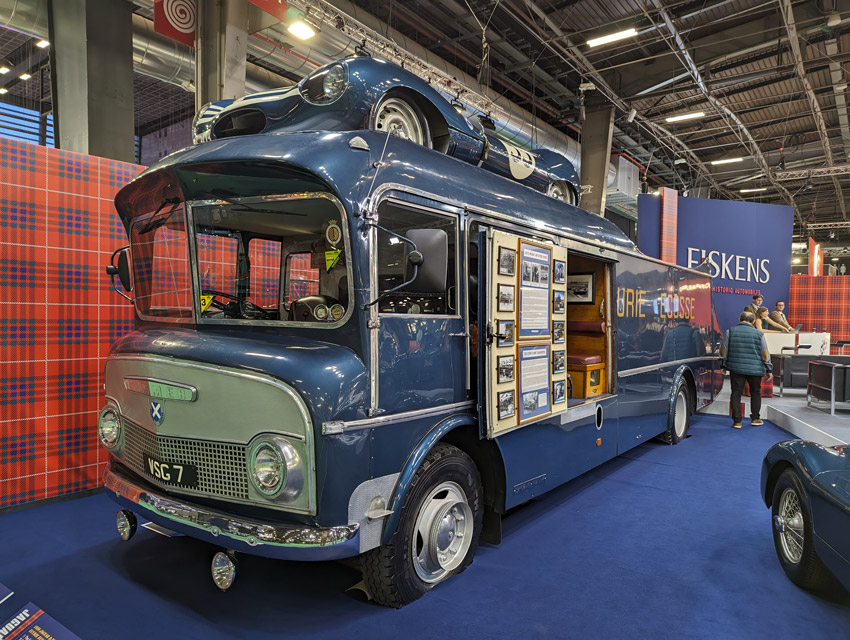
point(218, 524)
point(332, 428)
point(664, 365)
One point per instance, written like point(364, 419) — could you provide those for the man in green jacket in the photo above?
point(745, 356)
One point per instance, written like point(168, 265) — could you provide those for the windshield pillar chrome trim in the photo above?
point(374, 322)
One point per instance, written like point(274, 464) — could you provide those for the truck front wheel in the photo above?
point(437, 534)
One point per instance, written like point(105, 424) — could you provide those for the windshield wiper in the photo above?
point(155, 222)
point(248, 207)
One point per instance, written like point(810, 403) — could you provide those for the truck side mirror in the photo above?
point(429, 260)
point(122, 270)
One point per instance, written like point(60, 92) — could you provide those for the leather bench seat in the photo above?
point(581, 359)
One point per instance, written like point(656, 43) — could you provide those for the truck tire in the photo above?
point(437, 534)
point(679, 420)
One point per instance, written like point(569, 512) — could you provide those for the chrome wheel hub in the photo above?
point(789, 524)
point(397, 117)
point(443, 532)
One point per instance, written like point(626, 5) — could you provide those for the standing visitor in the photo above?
point(754, 307)
point(744, 354)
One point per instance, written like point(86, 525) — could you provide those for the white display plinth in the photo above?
point(819, 341)
point(775, 341)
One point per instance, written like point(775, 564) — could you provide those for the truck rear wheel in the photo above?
point(437, 534)
point(679, 420)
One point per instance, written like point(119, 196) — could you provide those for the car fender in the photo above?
point(414, 461)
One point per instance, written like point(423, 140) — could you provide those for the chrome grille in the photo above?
point(222, 467)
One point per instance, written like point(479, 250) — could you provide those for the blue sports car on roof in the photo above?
point(807, 485)
point(362, 92)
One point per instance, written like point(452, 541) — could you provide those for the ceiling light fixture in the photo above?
point(4, 69)
point(752, 190)
point(686, 116)
point(727, 161)
point(796, 261)
point(25, 76)
point(301, 29)
point(620, 35)
point(41, 44)
point(3, 90)
point(656, 193)
point(835, 259)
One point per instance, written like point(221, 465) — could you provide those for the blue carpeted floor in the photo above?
point(665, 542)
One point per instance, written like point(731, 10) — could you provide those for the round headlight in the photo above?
point(267, 469)
point(333, 84)
point(109, 428)
point(325, 85)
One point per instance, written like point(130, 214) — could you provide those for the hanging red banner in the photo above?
point(176, 19)
point(277, 8)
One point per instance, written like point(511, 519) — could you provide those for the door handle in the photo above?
point(462, 334)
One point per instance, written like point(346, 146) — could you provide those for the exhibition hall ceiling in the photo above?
point(778, 103)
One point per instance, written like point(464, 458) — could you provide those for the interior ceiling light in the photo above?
point(301, 30)
point(752, 190)
point(3, 90)
point(25, 76)
point(727, 161)
point(4, 69)
point(835, 259)
point(41, 44)
point(620, 35)
point(686, 116)
point(656, 193)
point(796, 261)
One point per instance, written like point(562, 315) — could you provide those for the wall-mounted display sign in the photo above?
point(535, 284)
point(534, 381)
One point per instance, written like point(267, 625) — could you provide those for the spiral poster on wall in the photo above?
point(176, 19)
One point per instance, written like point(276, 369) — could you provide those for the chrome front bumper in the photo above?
point(231, 532)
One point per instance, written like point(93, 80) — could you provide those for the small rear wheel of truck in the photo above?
point(437, 534)
point(679, 419)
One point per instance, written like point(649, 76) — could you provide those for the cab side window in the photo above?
point(393, 253)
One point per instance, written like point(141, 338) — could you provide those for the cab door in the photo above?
point(421, 339)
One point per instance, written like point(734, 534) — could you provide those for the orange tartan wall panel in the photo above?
point(821, 303)
point(58, 316)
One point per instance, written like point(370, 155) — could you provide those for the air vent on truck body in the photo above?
point(241, 122)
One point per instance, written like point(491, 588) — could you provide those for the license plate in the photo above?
point(183, 475)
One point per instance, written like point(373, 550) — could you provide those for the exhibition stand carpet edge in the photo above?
point(663, 542)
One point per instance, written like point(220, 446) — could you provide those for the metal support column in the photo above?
point(92, 42)
point(596, 132)
point(221, 48)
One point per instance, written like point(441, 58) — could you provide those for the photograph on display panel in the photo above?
point(506, 334)
point(580, 288)
point(507, 261)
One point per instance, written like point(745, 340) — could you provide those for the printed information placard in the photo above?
point(534, 381)
point(535, 282)
point(32, 623)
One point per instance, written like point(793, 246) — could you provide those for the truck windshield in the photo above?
point(258, 259)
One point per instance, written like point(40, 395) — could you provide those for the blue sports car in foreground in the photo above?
point(362, 92)
point(808, 487)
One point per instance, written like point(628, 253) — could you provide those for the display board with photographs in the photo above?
point(535, 285)
point(528, 313)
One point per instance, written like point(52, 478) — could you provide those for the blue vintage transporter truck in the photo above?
point(348, 344)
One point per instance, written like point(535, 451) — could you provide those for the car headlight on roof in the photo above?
point(109, 427)
point(325, 85)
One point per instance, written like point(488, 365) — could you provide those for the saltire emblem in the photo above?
point(157, 412)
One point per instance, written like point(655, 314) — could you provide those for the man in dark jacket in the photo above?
point(745, 356)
